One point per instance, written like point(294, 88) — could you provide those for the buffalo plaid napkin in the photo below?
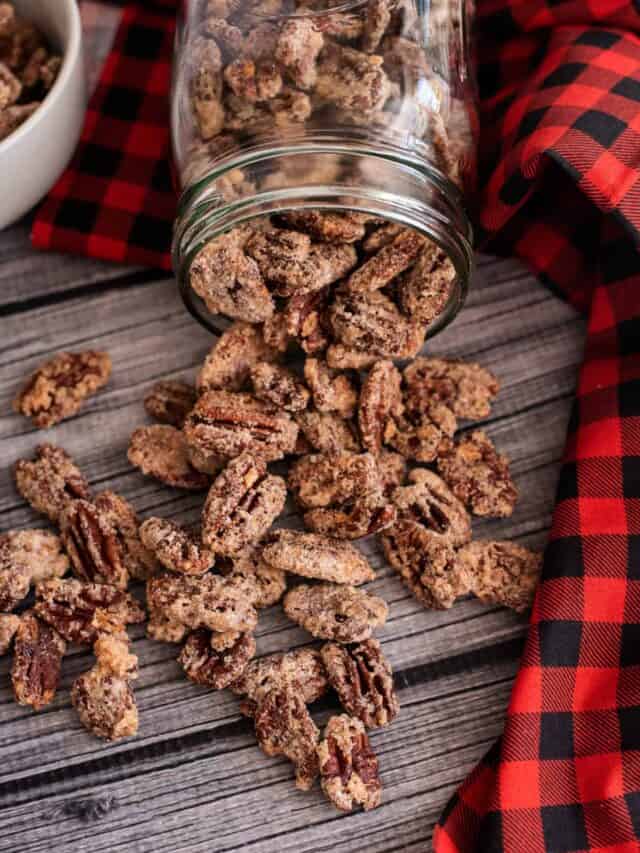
point(560, 169)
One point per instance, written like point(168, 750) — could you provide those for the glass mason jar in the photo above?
point(322, 148)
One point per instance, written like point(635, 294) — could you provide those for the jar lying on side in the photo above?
point(322, 148)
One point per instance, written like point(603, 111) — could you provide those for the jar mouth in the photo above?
point(332, 9)
point(432, 208)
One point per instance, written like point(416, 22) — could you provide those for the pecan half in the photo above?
point(427, 563)
point(465, 387)
point(161, 451)
point(382, 236)
point(342, 494)
point(279, 386)
point(274, 672)
point(138, 560)
point(170, 402)
point(284, 727)
point(59, 387)
point(210, 601)
point(328, 226)
point(345, 614)
point(241, 505)
point(229, 281)
point(348, 765)
point(314, 556)
point(371, 325)
point(9, 623)
point(331, 392)
point(91, 542)
point(81, 611)
point(270, 582)
point(175, 548)
point(422, 428)
point(423, 291)
point(428, 504)
point(229, 363)
point(50, 481)
point(103, 697)
point(387, 263)
point(478, 475)
point(380, 404)
point(297, 51)
point(327, 432)
point(304, 319)
point(501, 573)
point(228, 423)
point(37, 654)
point(352, 80)
point(361, 676)
point(39, 550)
point(205, 665)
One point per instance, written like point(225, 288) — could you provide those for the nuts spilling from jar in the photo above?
point(351, 441)
point(28, 69)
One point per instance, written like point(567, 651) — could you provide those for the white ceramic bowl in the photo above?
point(33, 156)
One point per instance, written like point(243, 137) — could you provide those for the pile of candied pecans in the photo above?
point(349, 439)
point(28, 69)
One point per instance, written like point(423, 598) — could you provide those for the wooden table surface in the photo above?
point(193, 779)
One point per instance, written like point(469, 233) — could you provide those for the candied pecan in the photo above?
point(229, 363)
point(421, 427)
point(381, 236)
point(376, 20)
point(160, 451)
point(229, 281)
point(220, 641)
point(24, 40)
point(137, 559)
point(478, 475)
point(270, 582)
point(345, 614)
point(81, 611)
point(228, 38)
point(371, 324)
point(343, 26)
point(280, 387)
point(9, 623)
point(103, 697)
point(10, 87)
point(12, 117)
point(361, 676)
point(170, 402)
point(30, 73)
point(297, 51)
point(59, 386)
point(210, 601)
point(380, 403)
point(348, 765)
point(274, 672)
point(37, 654)
point(428, 504)
point(15, 577)
point(206, 463)
point(260, 41)
point(314, 556)
point(342, 494)
point(352, 80)
point(206, 87)
point(39, 550)
point(426, 562)
point(228, 423)
point(50, 481)
point(501, 573)
point(465, 387)
point(293, 265)
point(253, 81)
point(176, 548)
point(343, 358)
point(165, 630)
point(328, 226)
point(388, 262)
point(241, 505)
point(92, 544)
point(205, 665)
point(327, 432)
point(423, 291)
point(284, 727)
point(304, 319)
point(331, 392)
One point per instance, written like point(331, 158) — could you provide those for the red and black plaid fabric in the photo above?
point(560, 178)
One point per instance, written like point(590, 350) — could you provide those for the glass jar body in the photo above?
point(286, 110)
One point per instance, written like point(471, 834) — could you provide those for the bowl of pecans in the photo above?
point(42, 98)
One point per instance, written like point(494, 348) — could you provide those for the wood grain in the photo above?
point(193, 780)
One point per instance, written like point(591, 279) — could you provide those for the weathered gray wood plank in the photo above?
point(193, 779)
